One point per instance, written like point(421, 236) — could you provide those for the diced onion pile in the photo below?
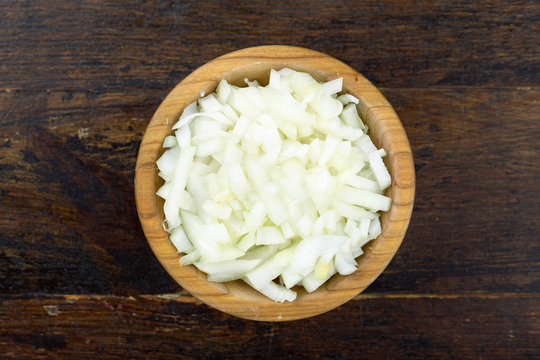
point(277, 185)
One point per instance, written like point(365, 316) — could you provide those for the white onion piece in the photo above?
point(350, 225)
point(356, 243)
point(270, 269)
point(230, 252)
point(362, 183)
point(170, 141)
point(350, 211)
point(309, 249)
point(261, 252)
point(253, 83)
point(223, 91)
point(364, 229)
point(172, 203)
point(366, 145)
point(167, 162)
point(348, 98)
point(269, 235)
point(256, 216)
point(209, 103)
point(163, 191)
point(166, 177)
point(274, 81)
point(218, 233)
point(322, 268)
point(217, 210)
point(274, 291)
point(230, 269)
point(325, 106)
point(379, 170)
point(193, 227)
point(277, 211)
point(374, 228)
point(349, 115)
point(183, 137)
point(236, 226)
point(180, 240)
point(312, 283)
point(188, 110)
point(214, 115)
point(247, 241)
point(344, 260)
point(275, 182)
point(229, 112)
point(185, 201)
point(333, 86)
point(359, 237)
point(330, 145)
point(287, 230)
point(190, 258)
point(363, 198)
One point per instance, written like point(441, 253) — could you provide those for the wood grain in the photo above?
point(152, 327)
point(476, 156)
point(68, 215)
point(149, 45)
point(237, 298)
point(79, 82)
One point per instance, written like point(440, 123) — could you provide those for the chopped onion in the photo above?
point(276, 185)
point(170, 141)
point(348, 98)
point(229, 269)
point(333, 86)
point(269, 235)
point(349, 115)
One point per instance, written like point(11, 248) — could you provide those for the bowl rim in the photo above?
point(385, 129)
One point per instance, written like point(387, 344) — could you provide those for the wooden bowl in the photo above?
point(237, 298)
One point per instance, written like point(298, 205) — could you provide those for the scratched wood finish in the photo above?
point(152, 45)
point(79, 82)
point(150, 327)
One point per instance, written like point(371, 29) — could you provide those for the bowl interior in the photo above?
point(386, 131)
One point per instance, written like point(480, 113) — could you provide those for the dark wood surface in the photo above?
point(80, 80)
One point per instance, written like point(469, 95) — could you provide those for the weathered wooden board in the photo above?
point(150, 327)
point(151, 45)
point(79, 81)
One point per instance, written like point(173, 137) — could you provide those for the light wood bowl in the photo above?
point(237, 298)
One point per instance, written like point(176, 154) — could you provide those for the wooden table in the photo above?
point(79, 82)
